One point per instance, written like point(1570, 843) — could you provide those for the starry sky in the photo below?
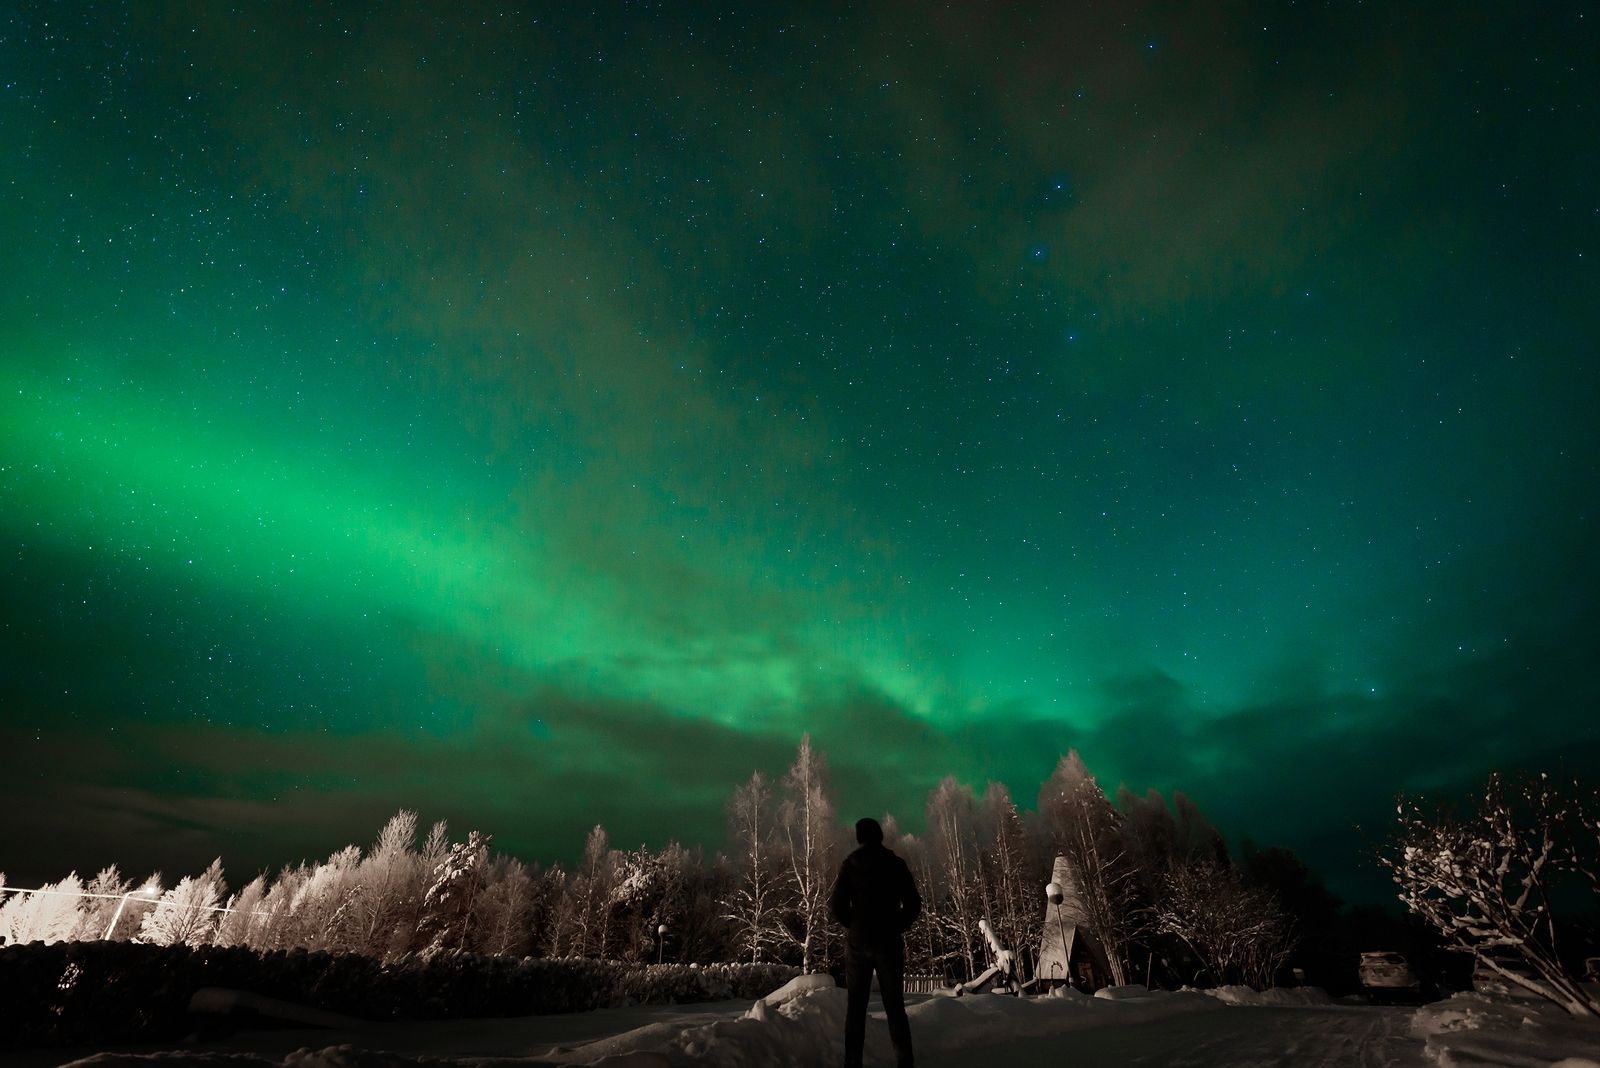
point(542, 417)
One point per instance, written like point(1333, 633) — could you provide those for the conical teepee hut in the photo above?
point(1069, 949)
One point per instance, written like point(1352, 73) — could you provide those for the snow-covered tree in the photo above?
point(752, 904)
point(1086, 830)
point(103, 895)
point(1011, 881)
point(644, 897)
point(276, 928)
point(1274, 937)
point(1235, 930)
point(562, 936)
point(953, 898)
point(186, 914)
point(1582, 853)
point(507, 909)
point(1484, 879)
point(590, 890)
point(389, 886)
point(322, 911)
point(806, 824)
point(244, 913)
point(48, 915)
point(408, 930)
point(922, 940)
point(452, 891)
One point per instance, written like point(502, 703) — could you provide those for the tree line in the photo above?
point(1153, 877)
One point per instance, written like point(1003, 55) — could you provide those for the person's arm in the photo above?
point(839, 900)
point(910, 900)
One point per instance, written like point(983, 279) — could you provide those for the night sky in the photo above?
point(540, 418)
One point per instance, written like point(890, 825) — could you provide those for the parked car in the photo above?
point(1387, 976)
point(1486, 980)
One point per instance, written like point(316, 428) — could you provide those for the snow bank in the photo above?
point(1298, 997)
point(1478, 1029)
point(1123, 993)
point(800, 984)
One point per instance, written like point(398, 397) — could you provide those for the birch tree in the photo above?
point(387, 881)
point(751, 905)
point(95, 912)
point(953, 847)
point(276, 927)
point(1013, 885)
point(321, 912)
point(591, 889)
point(245, 913)
point(806, 822)
point(505, 913)
point(561, 936)
point(1086, 830)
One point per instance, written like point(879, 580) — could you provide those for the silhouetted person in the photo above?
point(875, 900)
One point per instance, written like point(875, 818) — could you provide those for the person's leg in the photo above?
point(858, 982)
point(891, 985)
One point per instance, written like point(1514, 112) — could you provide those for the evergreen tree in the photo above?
point(452, 892)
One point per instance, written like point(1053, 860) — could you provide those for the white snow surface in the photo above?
point(802, 1023)
point(1283, 997)
point(1469, 1030)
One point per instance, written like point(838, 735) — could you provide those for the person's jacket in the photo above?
point(874, 898)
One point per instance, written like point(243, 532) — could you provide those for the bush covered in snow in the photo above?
point(90, 992)
point(1488, 879)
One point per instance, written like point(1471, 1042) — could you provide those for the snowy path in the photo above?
point(1240, 1037)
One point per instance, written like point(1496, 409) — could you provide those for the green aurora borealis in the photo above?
point(541, 418)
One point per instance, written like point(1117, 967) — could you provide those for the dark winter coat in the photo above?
point(874, 898)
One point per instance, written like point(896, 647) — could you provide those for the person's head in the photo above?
point(868, 832)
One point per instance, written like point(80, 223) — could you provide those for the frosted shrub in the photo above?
point(1485, 878)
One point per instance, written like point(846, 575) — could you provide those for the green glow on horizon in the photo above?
point(332, 538)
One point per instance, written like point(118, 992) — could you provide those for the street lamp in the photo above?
point(661, 943)
point(147, 888)
point(1053, 894)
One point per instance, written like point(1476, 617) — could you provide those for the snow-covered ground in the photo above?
point(803, 1024)
point(1514, 1029)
